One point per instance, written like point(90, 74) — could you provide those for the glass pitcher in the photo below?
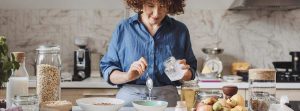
point(48, 69)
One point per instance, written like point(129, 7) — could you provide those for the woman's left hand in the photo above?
point(185, 67)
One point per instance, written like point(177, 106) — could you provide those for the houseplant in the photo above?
point(7, 64)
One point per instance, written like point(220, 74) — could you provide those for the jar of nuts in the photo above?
point(262, 87)
point(48, 66)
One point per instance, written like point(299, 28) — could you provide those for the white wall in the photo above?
point(100, 4)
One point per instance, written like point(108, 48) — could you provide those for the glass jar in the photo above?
point(189, 90)
point(27, 103)
point(262, 87)
point(48, 69)
point(173, 69)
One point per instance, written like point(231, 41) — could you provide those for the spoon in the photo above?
point(149, 84)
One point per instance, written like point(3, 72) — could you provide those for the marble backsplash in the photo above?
point(258, 37)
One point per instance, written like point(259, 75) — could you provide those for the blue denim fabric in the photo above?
point(131, 41)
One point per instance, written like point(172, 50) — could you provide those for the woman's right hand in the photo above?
point(137, 69)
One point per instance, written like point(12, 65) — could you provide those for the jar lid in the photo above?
point(48, 48)
point(262, 74)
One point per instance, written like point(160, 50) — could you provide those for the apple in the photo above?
point(239, 99)
point(205, 108)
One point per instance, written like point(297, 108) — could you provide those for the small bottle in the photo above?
point(18, 82)
point(181, 106)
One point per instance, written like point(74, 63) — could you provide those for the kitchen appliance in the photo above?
point(295, 62)
point(212, 65)
point(265, 5)
point(82, 61)
point(288, 71)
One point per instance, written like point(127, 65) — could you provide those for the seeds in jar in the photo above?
point(48, 82)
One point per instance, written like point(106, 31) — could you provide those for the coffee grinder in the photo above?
point(82, 61)
point(295, 64)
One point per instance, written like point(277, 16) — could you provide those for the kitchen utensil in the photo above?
point(82, 60)
point(212, 62)
point(149, 84)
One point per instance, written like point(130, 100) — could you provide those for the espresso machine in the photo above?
point(82, 60)
point(288, 71)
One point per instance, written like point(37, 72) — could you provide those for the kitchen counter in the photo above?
point(245, 85)
point(77, 108)
point(98, 82)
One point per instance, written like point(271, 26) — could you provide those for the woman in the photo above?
point(139, 47)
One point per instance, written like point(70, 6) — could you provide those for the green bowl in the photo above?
point(146, 105)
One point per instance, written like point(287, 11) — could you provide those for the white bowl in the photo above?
point(145, 105)
point(88, 104)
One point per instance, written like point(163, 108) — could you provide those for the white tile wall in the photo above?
point(258, 37)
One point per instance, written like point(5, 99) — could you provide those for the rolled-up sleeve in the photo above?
point(110, 60)
point(189, 55)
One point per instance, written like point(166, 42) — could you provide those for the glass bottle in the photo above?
point(18, 82)
point(48, 69)
point(262, 87)
point(189, 91)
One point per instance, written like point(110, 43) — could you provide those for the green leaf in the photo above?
point(7, 64)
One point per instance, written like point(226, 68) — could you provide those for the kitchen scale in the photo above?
point(212, 66)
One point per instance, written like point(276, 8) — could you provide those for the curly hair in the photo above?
point(173, 6)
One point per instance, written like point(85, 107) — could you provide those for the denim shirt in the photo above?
point(131, 41)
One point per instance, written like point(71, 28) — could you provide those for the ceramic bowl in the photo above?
point(100, 104)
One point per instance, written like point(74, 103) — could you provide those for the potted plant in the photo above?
point(7, 64)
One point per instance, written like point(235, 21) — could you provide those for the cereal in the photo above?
point(48, 82)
